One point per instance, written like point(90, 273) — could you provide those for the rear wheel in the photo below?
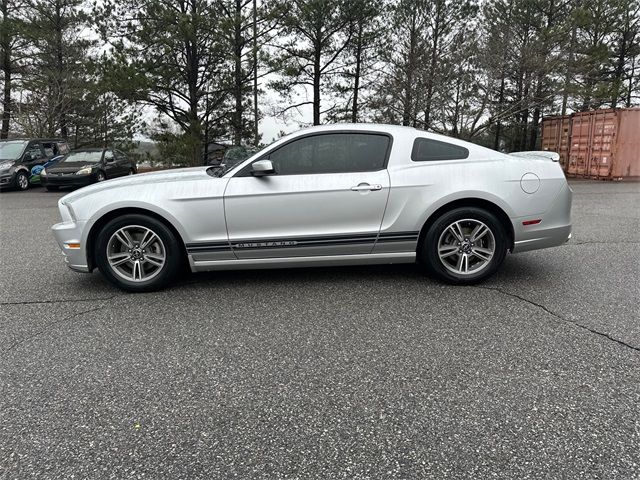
point(464, 246)
point(138, 253)
point(22, 180)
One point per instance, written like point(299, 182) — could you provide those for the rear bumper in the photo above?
point(71, 232)
point(545, 238)
point(554, 229)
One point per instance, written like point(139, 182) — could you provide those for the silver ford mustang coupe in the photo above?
point(332, 195)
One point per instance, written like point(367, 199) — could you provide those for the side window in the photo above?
point(108, 156)
point(50, 149)
point(332, 153)
point(119, 155)
point(427, 150)
point(33, 152)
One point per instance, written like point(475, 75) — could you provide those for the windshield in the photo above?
point(83, 157)
point(12, 150)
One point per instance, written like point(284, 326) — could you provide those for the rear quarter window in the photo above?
point(63, 148)
point(428, 150)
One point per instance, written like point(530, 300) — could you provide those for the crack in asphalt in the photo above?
point(560, 317)
point(64, 300)
point(598, 242)
point(51, 325)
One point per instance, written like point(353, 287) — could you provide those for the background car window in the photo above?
point(332, 153)
point(63, 148)
point(34, 152)
point(427, 150)
point(50, 149)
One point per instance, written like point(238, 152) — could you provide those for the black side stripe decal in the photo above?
point(319, 241)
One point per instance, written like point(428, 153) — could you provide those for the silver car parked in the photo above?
point(330, 195)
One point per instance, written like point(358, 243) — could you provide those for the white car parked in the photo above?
point(330, 195)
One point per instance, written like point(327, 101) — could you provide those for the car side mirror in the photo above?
point(262, 168)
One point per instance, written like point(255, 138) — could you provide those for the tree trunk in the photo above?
point(356, 80)
point(61, 71)
point(6, 98)
point(6, 70)
point(432, 68)
point(619, 70)
point(631, 78)
point(408, 90)
point(496, 140)
point(237, 76)
point(533, 139)
point(316, 82)
point(568, 72)
point(256, 111)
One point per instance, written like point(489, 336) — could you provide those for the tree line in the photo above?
point(189, 72)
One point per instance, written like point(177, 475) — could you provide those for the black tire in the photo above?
point(131, 171)
point(172, 247)
point(101, 176)
point(22, 180)
point(52, 188)
point(467, 216)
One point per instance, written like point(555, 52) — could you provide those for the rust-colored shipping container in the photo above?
point(556, 133)
point(603, 144)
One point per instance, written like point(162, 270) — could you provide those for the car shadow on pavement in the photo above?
point(514, 267)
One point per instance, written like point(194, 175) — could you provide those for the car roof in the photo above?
point(89, 150)
point(21, 139)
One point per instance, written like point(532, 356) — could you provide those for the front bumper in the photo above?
point(8, 179)
point(68, 180)
point(69, 233)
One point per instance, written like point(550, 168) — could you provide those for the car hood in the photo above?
point(133, 181)
point(68, 167)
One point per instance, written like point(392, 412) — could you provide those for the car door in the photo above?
point(122, 163)
point(327, 197)
point(33, 155)
point(110, 164)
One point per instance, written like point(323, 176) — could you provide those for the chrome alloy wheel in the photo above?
point(466, 246)
point(136, 253)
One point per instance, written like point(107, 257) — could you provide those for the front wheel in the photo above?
point(138, 253)
point(100, 176)
point(464, 246)
point(22, 180)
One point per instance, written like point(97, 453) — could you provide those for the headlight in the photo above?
point(84, 171)
point(43, 172)
point(5, 165)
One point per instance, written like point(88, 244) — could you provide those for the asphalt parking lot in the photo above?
point(367, 372)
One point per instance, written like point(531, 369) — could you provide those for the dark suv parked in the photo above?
point(19, 158)
point(86, 166)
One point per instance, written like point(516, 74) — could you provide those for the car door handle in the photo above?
point(366, 186)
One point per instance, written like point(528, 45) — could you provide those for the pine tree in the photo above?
point(311, 55)
point(171, 55)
